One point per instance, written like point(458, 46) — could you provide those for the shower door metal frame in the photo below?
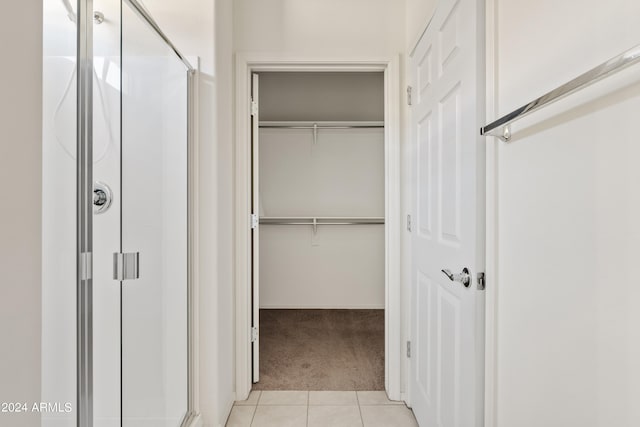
point(84, 220)
point(84, 212)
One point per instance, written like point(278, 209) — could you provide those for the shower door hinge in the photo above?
point(254, 333)
point(409, 90)
point(254, 108)
point(254, 221)
point(126, 266)
point(408, 349)
point(86, 265)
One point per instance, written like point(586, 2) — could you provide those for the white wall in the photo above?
point(20, 212)
point(417, 15)
point(568, 232)
point(319, 27)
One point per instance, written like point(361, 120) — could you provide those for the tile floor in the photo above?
point(320, 409)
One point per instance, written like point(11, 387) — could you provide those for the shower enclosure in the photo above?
point(117, 137)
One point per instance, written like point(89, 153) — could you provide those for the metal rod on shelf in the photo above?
point(315, 126)
point(603, 70)
point(315, 221)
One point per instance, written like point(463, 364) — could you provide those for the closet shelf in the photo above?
point(321, 125)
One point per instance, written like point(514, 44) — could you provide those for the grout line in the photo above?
point(255, 408)
point(308, 398)
point(253, 416)
point(359, 409)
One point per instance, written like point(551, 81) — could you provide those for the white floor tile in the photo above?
point(241, 416)
point(284, 398)
point(334, 416)
point(252, 400)
point(333, 398)
point(387, 415)
point(375, 398)
point(280, 416)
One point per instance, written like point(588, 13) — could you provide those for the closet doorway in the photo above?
point(319, 289)
point(318, 231)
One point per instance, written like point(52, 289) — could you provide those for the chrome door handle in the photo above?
point(464, 277)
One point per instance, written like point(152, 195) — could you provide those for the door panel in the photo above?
point(154, 223)
point(445, 68)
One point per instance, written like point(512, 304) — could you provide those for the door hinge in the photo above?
point(408, 222)
point(254, 333)
point(409, 90)
point(481, 281)
point(254, 108)
point(126, 266)
point(254, 221)
point(409, 349)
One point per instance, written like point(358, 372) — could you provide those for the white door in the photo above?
point(255, 242)
point(446, 382)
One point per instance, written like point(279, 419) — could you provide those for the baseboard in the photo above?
point(323, 307)
point(227, 409)
point(196, 422)
point(403, 397)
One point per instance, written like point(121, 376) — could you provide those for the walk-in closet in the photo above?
point(319, 237)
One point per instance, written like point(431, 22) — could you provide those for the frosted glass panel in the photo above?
point(154, 223)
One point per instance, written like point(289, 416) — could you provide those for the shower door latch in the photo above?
point(126, 266)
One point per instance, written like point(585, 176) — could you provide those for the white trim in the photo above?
point(227, 411)
point(241, 232)
point(491, 249)
point(245, 65)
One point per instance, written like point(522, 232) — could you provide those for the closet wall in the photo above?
point(341, 174)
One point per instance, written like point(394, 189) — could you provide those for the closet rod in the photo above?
point(321, 220)
point(322, 125)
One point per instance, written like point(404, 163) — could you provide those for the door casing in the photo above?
point(245, 66)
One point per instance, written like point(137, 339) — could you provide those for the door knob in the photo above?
point(464, 277)
point(102, 197)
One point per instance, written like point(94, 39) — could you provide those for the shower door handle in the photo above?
point(126, 266)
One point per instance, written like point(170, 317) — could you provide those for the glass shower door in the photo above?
point(154, 232)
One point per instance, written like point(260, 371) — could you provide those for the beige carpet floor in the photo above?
point(321, 350)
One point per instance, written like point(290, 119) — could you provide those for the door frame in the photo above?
point(492, 219)
point(246, 64)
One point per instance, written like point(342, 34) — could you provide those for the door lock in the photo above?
point(464, 277)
